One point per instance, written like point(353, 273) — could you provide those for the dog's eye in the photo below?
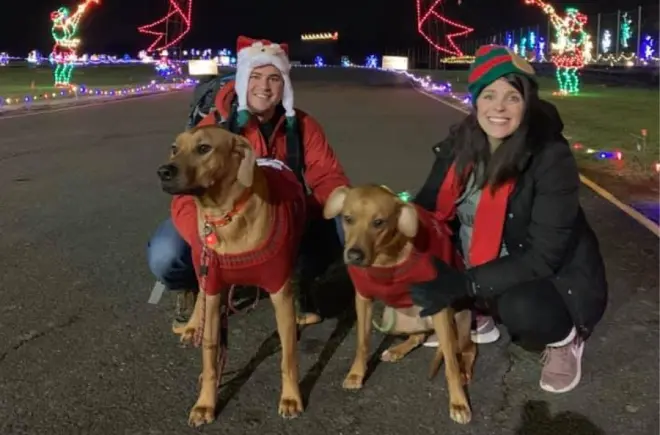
point(348, 219)
point(173, 149)
point(203, 148)
point(377, 223)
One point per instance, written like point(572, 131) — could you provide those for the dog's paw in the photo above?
point(353, 382)
point(186, 333)
point(290, 406)
point(308, 319)
point(201, 414)
point(391, 355)
point(461, 414)
point(467, 366)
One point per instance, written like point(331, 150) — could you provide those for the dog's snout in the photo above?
point(355, 256)
point(167, 172)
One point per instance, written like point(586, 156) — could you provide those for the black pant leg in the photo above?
point(534, 313)
point(319, 249)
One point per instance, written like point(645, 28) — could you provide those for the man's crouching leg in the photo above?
point(170, 261)
point(320, 248)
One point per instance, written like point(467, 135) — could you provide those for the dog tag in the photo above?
point(210, 238)
point(208, 230)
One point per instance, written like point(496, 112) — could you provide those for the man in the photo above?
point(259, 105)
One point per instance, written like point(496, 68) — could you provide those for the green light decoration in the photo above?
point(64, 31)
point(405, 196)
point(626, 29)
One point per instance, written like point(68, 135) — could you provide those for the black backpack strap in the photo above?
point(295, 153)
point(229, 123)
point(204, 94)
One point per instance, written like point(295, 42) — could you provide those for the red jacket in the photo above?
point(391, 285)
point(269, 266)
point(323, 173)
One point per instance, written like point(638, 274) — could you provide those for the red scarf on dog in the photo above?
point(489, 217)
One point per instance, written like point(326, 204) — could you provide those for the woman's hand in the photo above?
point(448, 286)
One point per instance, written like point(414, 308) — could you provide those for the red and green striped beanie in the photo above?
point(492, 62)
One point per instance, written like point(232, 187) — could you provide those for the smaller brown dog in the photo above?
point(243, 221)
point(389, 246)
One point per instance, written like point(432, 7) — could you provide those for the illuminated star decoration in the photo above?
point(180, 8)
point(461, 30)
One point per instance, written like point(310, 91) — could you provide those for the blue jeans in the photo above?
point(170, 259)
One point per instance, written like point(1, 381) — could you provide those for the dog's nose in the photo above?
point(167, 172)
point(355, 256)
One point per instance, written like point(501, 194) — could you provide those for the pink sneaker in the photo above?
point(562, 364)
point(486, 331)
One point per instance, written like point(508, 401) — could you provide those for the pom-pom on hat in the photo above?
point(253, 53)
point(492, 62)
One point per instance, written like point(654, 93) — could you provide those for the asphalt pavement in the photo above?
point(81, 352)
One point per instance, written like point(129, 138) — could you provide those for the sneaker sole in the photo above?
point(433, 343)
point(485, 337)
point(573, 384)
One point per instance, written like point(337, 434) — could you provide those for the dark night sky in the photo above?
point(365, 24)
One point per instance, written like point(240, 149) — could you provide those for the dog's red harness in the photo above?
point(391, 285)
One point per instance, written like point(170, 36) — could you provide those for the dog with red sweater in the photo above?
point(259, 105)
point(244, 220)
point(390, 246)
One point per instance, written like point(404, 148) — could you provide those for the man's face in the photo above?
point(265, 89)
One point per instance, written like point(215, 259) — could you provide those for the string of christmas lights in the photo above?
point(461, 30)
point(84, 91)
point(64, 31)
point(425, 83)
point(573, 47)
point(178, 9)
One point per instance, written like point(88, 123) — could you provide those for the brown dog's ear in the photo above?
point(335, 202)
point(408, 222)
point(245, 174)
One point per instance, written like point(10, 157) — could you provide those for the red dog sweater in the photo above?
point(272, 263)
point(392, 284)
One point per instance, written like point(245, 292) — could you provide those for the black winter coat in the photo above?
point(546, 232)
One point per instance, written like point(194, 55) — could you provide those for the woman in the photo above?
point(507, 183)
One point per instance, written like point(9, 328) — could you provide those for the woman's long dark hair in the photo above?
point(473, 149)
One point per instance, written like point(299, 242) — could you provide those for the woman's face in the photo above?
point(500, 109)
